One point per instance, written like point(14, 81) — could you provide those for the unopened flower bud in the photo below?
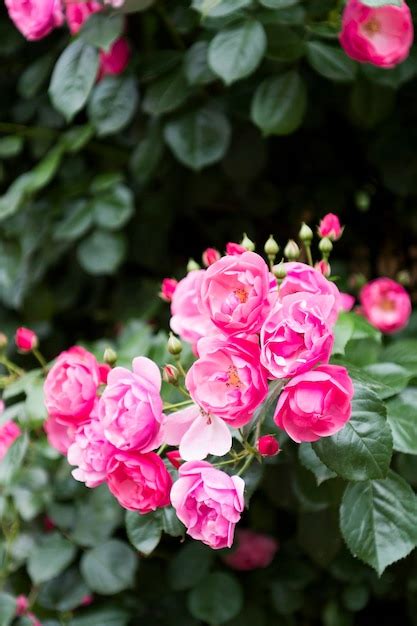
point(271, 248)
point(279, 271)
point(174, 458)
point(247, 243)
point(168, 288)
point(330, 227)
point(210, 256)
point(404, 278)
point(3, 341)
point(26, 340)
point(170, 374)
point(323, 267)
point(174, 345)
point(306, 234)
point(291, 250)
point(22, 605)
point(110, 356)
point(192, 265)
point(325, 246)
point(267, 445)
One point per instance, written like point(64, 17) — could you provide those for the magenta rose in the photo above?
point(378, 35)
point(385, 304)
point(131, 406)
point(168, 287)
point(228, 380)
point(9, 432)
point(77, 12)
point(91, 453)
point(140, 482)
point(315, 404)
point(116, 60)
point(35, 18)
point(60, 436)
point(71, 386)
point(296, 336)
point(26, 339)
point(330, 227)
point(251, 551)
point(208, 502)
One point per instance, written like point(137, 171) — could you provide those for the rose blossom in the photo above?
point(140, 482)
point(131, 406)
point(71, 386)
point(9, 432)
point(253, 551)
point(115, 60)
point(234, 293)
point(78, 12)
point(228, 380)
point(210, 256)
point(91, 452)
point(35, 18)
point(295, 335)
point(378, 35)
point(208, 502)
point(22, 605)
point(385, 304)
point(26, 340)
point(168, 288)
point(60, 436)
point(315, 404)
point(346, 301)
point(330, 227)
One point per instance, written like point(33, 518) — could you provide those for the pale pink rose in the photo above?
point(22, 605)
point(267, 445)
point(235, 249)
point(295, 335)
point(234, 293)
point(208, 502)
point(140, 482)
point(330, 227)
point(130, 408)
point(381, 35)
point(77, 12)
point(91, 453)
point(60, 436)
point(210, 256)
point(35, 18)
point(187, 321)
point(26, 340)
point(168, 288)
point(251, 551)
point(228, 380)
point(385, 304)
point(315, 404)
point(346, 301)
point(9, 432)
point(302, 277)
point(116, 60)
point(71, 386)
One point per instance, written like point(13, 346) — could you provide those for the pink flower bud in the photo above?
point(234, 249)
point(323, 267)
point(210, 256)
point(330, 227)
point(170, 374)
point(48, 524)
point(174, 458)
point(26, 340)
point(22, 605)
point(114, 61)
point(267, 445)
point(168, 288)
point(87, 600)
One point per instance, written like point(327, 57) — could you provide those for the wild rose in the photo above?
point(168, 287)
point(330, 227)
point(234, 293)
point(131, 406)
point(234, 249)
point(267, 445)
point(385, 304)
point(210, 256)
point(295, 335)
point(227, 380)
point(91, 453)
point(26, 340)
point(140, 482)
point(378, 35)
point(35, 18)
point(346, 301)
point(9, 432)
point(60, 436)
point(78, 12)
point(315, 404)
point(71, 386)
point(22, 605)
point(208, 502)
point(114, 61)
point(251, 551)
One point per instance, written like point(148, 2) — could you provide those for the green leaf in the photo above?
point(101, 617)
point(311, 461)
point(147, 155)
point(10, 146)
point(97, 516)
point(110, 567)
point(393, 377)
point(279, 104)
point(199, 138)
point(7, 609)
point(216, 599)
point(73, 78)
point(404, 353)
point(144, 531)
point(189, 566)
point(320, 547)
point(402, 417)
point(113, 104)
point(378, 520)
point(11, 463)
point(352, 326)
point(219, 8)
point(237, 51)
point(50, 557)
point(76, 222)
point(196, 67)
point(34, 76)
point(284, 43)
point(101, 30)
point(285, 599)
point(113, 208)
point(363, 448)
point(170, 522)
point(63, 593)
point(102, 252)
point(278, 4)
point(35, 404)
point(330, 62)
point(167, 93)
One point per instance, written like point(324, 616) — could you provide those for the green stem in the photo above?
point(162, 449)
point(169, 406)
point(246, 464)
point(39, 356)
point(11, 366)
point(308, 253)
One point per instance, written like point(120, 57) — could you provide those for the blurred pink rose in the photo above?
point(91, 453)
point(251, 551)
point(315, 404)
point(140, 482)
point(71, 386)
point(60, 436)
point(9, 432)
point(346, 301)
point(22, 605)
point(26, 340)
point(234, 293)
point(385, 304)
point(168, 287)
point(77, 12)
point(116, 60)
point(35, 18)
point(210, 256)
point(330, 227)
point(267, 445)
point(208, 502)
point(381, 35)
point(131, 406)
point(234, 249)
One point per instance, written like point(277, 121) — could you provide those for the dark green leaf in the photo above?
point(279, 104)
point(196, 68)
point(144, 531)
point(189, 566)
point(311, 461)
point(64, 593)
point(113, 208)
point(402, 417)
point(7, 609)
point(102, 30)
point(110, 567)
point(216, 599)
point(50, 557)
point(331, 62)
point(113, 104)
point(102, 252)
point(11, 463)
point(76, 222)
point(167, 93)
point(352, 326)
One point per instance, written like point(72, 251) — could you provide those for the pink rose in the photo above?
point(9, 432)
point(210, 256)
point(116, 60)
point(26, 340)
point(330, 227)
point(295, 335)
point(168, 287)
point(71, 386)
point(78, 12)
point(253, 551)
point(385, 304)
point(33, 619)
point(234, 293)
point(323, 267)
point(302, 277)
point(140, 482)
point(315, 404)
point(22, 605)
point(174, 458)
point(381, 35)
point(208, 502)
point(131, 406)
point(346, 301)
point(267, 445)
point(228, 380)
point(35, 18)
point(187, 321)
point(60, 436)
point(234, 249)
point(91, 452)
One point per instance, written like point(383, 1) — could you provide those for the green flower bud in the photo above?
point(192, 265)
point(170, 374)
point(291, 250)
point(271, 247)
point(306, 234)
point(325, 246)
point(174, 345)
point(279, 271)
point(110, 356)
point(247, 243)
